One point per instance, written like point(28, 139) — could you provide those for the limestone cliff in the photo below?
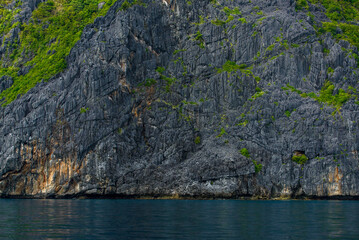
point(190, 98)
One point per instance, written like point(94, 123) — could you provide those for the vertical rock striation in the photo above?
point(196, 99)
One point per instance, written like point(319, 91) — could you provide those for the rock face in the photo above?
point(179, 98)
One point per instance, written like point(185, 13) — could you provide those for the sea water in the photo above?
point(178, 219)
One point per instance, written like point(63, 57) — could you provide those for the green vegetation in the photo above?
point(54, 28)
point(197, 140)
point(184, 67)
point(178, 51)
point(214, 3)
point(326, 51)
point(270, 48)
point(288, 113)
point(244, 123)
point(349, 32)
point(189, 102)
point(83, 110)
point(230, 16)
point(201, 21)
point(198, 37)
point(340, 10)
point(160, 70)
point(245, 152)
point(301, 4)
point(258, 94)
point(168, 80)
point(229, 11)
point(221, 23)
point(222, 132)
point(126, 5)
point(7, 16)
point(300, 159)
point(343, 14)
point(230, 66)
point(242, 20)
point(257, 167)
point(326, 94)
point(292, 89)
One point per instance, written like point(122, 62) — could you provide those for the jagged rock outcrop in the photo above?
point(193, 99)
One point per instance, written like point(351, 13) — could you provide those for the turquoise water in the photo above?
point(178, 219)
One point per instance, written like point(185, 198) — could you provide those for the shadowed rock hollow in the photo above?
point(195, 99)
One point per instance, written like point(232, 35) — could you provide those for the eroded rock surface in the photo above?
point(147, 108)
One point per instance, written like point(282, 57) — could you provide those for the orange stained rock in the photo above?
point(335, 184)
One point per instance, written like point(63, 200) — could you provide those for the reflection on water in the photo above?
point(183, 219)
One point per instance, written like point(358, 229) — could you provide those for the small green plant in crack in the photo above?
point(160, 70)
point(197, 140)
point(178, 51)
point(230, 66)
point(245, 152)
point(221, 133)
point(257, 166)
point(300, 159)
point(199, 38)
point(201, 21)
point(221, 23)
point(230, 16)
point(184, 67)
point(189, 102)
point(83, 110)
point(259, 93)
point(125, 5)
point(242, 20)
point(234, 11)
point(300, 4)
point(244, 123)
point(270, 48)
point(326, 51)
point(169, 80)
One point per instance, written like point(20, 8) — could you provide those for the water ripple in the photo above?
point(178, 219)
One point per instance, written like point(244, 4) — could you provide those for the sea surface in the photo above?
point(178, 219)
